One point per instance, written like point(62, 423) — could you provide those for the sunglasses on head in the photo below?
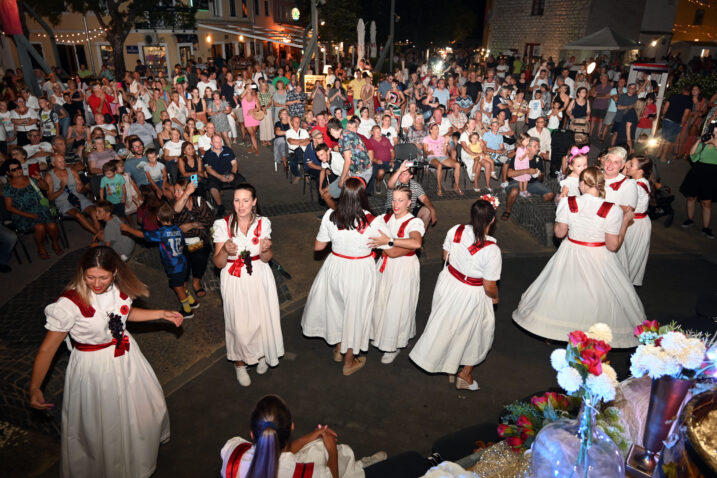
point(12, 170)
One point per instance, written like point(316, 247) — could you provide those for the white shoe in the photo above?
point(373, 459)
point(262, 366)
point(504, 185)
point(243, 376)
point(389, 357)
point(494, 176)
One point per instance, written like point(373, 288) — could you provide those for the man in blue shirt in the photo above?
point(385, 86)
point(221, 164)
point(441, 93)
point(131, 164)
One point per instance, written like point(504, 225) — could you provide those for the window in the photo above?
point(257, 12)
point(538, 7)
point(266, 7)
point(699, 16)
point(215, 7)
point(232, 8)
point(244, 9)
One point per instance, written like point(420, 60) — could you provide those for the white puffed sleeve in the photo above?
point(492, 263)
point(415, 225)
point(220, 230)
point(324, 234)
point(227, 450)
point(613, 221)
point(60, 316)
point(561, 213)
point(449, 237)
point(265, 228)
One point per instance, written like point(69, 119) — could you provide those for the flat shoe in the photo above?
point(358, 364)
point(337, 356)
point(243, 376)
point(373, 459)
point(262, 366)
point(463, 385)
point(389, 357)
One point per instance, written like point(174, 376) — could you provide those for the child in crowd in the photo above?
point(171, 251)
point(133, 194)
point(535, 108)
point(50, 122)
point(522, 161)
point(555, 117)
point(576, 163)
point(113, 187)
point(147, 211)
point(112, 235)
point(156, 172)
point(482, 160)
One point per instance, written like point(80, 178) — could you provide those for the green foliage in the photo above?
point(707, 83)
point(609, 421)
point(516, 409)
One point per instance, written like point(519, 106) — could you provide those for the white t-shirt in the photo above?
point(444, 127)
point(30, 114)
point(201, 86)
point(554, 121)
point(535, 109)
point(107, 127)
point(293, 134)
point(391, 134)
point(140, 104)
point(34, 148)
point(204, 142)
point(155, 171)
point(407, 121)
point(7, 124)
point(366, 126)
point(172, 149)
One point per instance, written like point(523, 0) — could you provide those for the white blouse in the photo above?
point(352, 243)
point(259, 229)
point(586, 225)
point(485, 264)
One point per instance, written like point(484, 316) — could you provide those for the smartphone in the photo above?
point(254, 87)
point(195, 179)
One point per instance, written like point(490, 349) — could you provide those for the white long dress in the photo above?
point(622, 191)
point(113, 411)
point(313, 452)
point(251, 304)
point(341, 300)
point(461, 325)
point(637, 237)
point(399, 282)
point(582, 285)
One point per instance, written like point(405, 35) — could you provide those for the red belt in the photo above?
point(640, 215)
point(464, 278)
point(385, 259)
point(238, 263)
point(350, 257)
point(587, 244)
point(120, 350)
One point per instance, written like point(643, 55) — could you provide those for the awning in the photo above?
point(605, 39)
point(290, 36)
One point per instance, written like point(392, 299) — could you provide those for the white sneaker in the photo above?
point(262, 366)
point(243, 376)
point(373, 459)
point(504, 185)
point(494, 176)
point(389, 357)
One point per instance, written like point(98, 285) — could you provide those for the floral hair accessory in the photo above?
point(124, 310)
point(575, 151)
point(363, 181)
point(493, 200)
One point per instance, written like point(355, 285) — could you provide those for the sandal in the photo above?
point(459, 191)
point(201, 292)
point(462, 384)
point(43, 255)
point(505, 216)
point(359, 362)
point(439, 193)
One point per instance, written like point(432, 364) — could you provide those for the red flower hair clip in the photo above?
point(124, 310)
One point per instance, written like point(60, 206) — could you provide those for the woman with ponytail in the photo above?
point(242, 250)
point(272, 454)
point(584, 282)
point(460, 328)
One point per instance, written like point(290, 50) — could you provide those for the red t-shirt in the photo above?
point(644, 121)
point(95, 102)
point(381, 149)
point(327, 137)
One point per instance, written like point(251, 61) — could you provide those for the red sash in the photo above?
point(640, 215)
point(587, 244)
point(119, 351)
point(85, 309)
point(616, 186)
point(257, 231)
point(572, 204)
point(238, 263)
point(464, 278)
point(351, 257)
point(473, 248)
point(644, 186)
point(604, 209)
point(302, 470)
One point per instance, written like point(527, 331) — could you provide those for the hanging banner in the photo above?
point(10, 18)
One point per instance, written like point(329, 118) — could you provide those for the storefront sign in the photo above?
point(132, 50)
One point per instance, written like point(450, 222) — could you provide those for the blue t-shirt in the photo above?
point(493, 141)
point(220, 163)
point(310, 155)
point(131, 166)
point(113, 188)
point(442, 96)
point(171, 247)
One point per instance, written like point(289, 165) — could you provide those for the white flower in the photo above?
point(601, 386)
point(653, 361)
point(557, 359)
point(674, 342)
point(569, 379)
point(600, 331)
point(692, 354)
point(610, 372)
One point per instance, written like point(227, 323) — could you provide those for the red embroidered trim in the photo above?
point(123, 296)
point(475, 247)
point(459, 233)
point(573, 204)
point(232, 469)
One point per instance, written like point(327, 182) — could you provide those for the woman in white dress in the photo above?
point(399, 277)
point(272, 453)
point(242, 249)
point(340, 303)
point(637, 237)
point(460, 328)
point(114, 416)
point(584, 282)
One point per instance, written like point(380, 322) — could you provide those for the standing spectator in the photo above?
point(217, 111)
point(250, 104)
point(25, 119)
point(266, 124)
point(699, 184)
point(279, 99)
point(296, 101)
point(675, 113)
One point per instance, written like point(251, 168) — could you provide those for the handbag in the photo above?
point(43, 200)
point(258, 114)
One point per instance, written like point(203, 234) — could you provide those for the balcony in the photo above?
point(168, 18)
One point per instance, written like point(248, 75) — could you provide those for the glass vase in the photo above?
point(576, 448)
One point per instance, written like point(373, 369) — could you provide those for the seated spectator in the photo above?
point(156, 173)
point(421, 205)
point(190, 163)
point(535, 186)
point(165, 134)
point(204, 143)
point(383, 152)
point(109, 130)
point(78, 135)
point(29, 209)
point(494, 145)
point(297, 139)
point(221, 165)
point(457, 118)
point(96, 161)
point(171, 151)
point(143, 130)
point(388, 131)
point(366, 122)
point(271, 426)
point(435, 148)
point(66, 189)
point(543, 134)
point(30, 167)
point(111, 234)
point(192, 133)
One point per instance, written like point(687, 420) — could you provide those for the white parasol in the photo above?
point(372, 37)
point(361, 29)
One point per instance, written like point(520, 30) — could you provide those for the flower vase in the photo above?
point(666, 397)
point(576, 448)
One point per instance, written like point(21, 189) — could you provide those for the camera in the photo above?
point(411, 164)
point(707, 137)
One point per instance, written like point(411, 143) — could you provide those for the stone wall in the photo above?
point(512, 25)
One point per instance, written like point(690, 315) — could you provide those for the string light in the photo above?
point(76, 37)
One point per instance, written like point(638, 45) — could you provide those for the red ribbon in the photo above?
point(586, 244)
point(640, 215)
point(119, 349)
point(616, 186)
point(257, 232)
point(385, 258)
point(350, 257)
point(474, 281)
point(237, 264)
